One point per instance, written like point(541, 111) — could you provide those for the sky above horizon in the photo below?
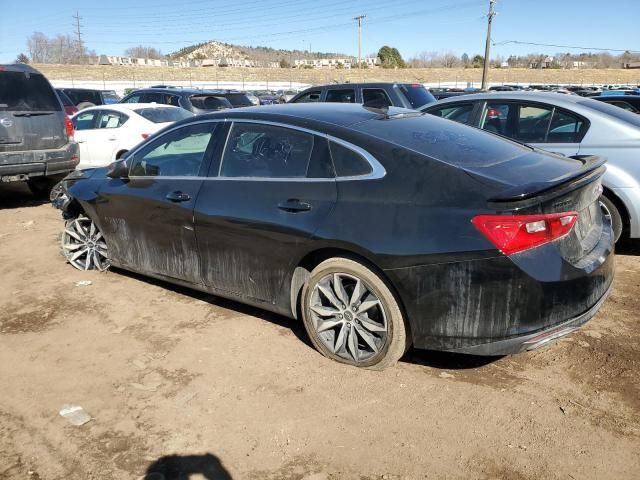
point(327, 25)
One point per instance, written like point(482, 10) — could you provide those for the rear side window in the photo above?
point(21, 91)
point(309, 97)
point(347, 95)
point(209, 102)
point(347, 162)
point(163, 115)
point(111, 119)
point(375, 98)
point(417, 95)
point(532, 124)
point(256, 150)
point(565, 128)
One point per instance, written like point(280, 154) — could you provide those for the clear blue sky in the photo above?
point(110, 26)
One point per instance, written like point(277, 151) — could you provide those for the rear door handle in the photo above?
point(294, 205)
point(178, 196)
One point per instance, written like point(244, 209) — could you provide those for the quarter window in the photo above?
point(256, 150)
point(348, 163)
point(179, 153)
point(347, 95)
point(565, 128)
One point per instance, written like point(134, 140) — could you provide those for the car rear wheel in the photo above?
point(352, 316)
point(84, 246)
point(613, 214)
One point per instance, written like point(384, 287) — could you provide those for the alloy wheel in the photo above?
point(348, 317)
point(84, 246)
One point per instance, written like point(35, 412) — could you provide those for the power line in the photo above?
point(359, 19)
point(599, 49)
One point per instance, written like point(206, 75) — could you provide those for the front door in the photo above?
point(147, 218)
point(274, 189)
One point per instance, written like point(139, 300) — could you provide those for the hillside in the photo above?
point(215, 49)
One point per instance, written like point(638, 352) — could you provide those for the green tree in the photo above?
point(390, 58)
point(478, 61)
point(22, 58)
point(284, 63)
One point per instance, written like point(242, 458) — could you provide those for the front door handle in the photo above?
point(178, 196)
point(294, 205)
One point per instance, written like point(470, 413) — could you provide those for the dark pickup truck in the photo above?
point(36, 136)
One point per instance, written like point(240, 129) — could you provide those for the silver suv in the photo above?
point(36, 136)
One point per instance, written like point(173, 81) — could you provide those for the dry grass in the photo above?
point(318, 76)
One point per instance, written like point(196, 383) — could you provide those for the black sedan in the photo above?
point(381, 229)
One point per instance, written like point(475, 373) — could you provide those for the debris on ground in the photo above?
point(75, 415)
point(84, 283)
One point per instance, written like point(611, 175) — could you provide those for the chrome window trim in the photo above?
point(377, 170)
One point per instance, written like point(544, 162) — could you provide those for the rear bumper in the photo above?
point(36, 163)
point(534, 340)
point(500, 305)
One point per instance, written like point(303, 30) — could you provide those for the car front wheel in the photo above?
point(352, 316)
point(83, 245)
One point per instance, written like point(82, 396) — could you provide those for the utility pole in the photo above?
point(487, 47)
point(359, 18)
point(78, 32)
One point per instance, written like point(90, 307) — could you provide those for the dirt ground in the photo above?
point(177, 381)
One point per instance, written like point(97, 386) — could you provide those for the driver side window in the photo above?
point(179, 153)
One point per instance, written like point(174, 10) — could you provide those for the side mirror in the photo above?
point(118, 169)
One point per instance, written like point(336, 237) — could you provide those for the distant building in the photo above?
point(631, 65)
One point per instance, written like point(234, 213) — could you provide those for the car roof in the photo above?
point(125, 107)
point(304, 114)
point(19, 67)
point(183, 91)
point(556, 98)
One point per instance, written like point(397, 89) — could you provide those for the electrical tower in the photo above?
point(487, 47)
point(359, 18)
point(78, 33)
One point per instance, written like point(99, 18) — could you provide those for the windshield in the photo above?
point(238, 99)
point(612, 110)
point(163, 115)
point(417, 95)
point(20, 91)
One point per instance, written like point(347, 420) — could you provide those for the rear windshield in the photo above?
point(66, 101)
point(21, 91)
point(417, 95)
point(163, 115)
point(110, 97)
point(612, 110)
point(445, 140)
point(238, 99)
point(209, 102)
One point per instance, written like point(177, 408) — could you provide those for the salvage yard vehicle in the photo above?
point(106, 133)
point(380, 229)
point(36, 136)
point(90, 97)
point(192, 99)
point(569, 125)
point(374, 95)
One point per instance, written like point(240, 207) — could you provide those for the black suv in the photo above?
point(36, 136)
point(87, 97)
point(374, 95)
point(195, 100)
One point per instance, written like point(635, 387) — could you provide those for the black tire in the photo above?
point(83, 105)
point(610, 210)
point(395, 342)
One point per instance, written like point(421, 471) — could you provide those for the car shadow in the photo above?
point(427, 358)
point(181, 467)
point(18, 195)
point(628, 247)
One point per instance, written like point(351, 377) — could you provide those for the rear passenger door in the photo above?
point(270, 191)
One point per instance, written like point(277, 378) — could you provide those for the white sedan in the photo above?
point(106, 132)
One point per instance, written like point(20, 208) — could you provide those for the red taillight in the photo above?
point(516, 233)
point(145, 135)
point(69, 126)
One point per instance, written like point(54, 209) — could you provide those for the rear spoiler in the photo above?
point(529, 193)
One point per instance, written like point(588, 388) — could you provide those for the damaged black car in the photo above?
point(380, 229)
